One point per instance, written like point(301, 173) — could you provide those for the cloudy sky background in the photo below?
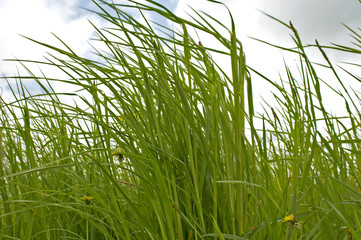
point(314, 19)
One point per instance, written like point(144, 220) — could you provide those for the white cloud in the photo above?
point(312, 18)
point(38, 19)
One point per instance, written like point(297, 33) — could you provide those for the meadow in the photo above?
point(161, 143)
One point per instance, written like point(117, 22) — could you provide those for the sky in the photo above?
point(68, 19)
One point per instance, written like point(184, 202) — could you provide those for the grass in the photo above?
point(161, 143)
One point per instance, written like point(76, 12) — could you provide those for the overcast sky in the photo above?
point(321, 19)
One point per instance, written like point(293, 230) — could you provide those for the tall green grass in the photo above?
point(161, 143)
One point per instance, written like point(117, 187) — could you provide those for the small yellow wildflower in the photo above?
point(289, 218)
point(136, 116)
point(87, 199)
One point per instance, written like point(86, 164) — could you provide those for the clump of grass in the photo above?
point(166, 142)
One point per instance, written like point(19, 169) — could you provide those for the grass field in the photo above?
point(161, 143)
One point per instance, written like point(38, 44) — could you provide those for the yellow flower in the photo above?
point(87, 199)
point(136, 116)
point(289, 218)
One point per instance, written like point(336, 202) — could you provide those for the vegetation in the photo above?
point(161, 143)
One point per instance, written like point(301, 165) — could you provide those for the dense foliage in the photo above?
point(160, 143)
